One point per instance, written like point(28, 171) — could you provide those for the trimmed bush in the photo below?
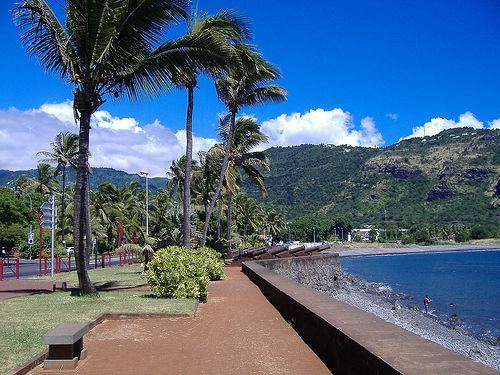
point(213, 262)
point(175, 273)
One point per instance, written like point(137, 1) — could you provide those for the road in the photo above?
point(30, 267)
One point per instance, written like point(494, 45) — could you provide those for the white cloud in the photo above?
point(438, 124)
point(115, 142)
point(321, 126)
point(392, 116)
point(495, 124)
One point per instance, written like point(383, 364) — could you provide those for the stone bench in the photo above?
point(65, 346)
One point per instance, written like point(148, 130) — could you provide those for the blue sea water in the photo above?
point(463, 283)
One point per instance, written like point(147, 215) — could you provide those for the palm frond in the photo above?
point(45, 38)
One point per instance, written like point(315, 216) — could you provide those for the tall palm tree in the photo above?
point(110, 48)
point(243, 157)
point(64, 153)
point(229, 29)
point(248, 83)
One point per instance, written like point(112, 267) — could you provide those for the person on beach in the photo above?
point(427, 302)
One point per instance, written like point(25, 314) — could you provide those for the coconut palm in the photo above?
point(248, 83)
point(64, 153)
point(229, 29)
point(177, 177)
point(243, 157)
point(110, 48)
point(274, 222)
point(44, 182)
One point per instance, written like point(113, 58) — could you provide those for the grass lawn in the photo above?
point(26, 319)
point(127, 275)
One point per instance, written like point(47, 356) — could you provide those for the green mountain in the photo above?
point(452, 177)
point(98, 176)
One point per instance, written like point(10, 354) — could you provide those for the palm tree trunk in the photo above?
point(219, 205)
point(229, 219)
point(80, 201)
point(88, 229)
point(227, 151)
point(186, 202)
point(62, 201)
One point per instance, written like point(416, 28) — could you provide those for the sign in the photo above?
point(31, 237)
point(48, 214)
point(47, 218)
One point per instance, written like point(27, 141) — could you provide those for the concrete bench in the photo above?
point(65, 346)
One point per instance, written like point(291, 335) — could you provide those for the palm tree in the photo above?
point(228, 29)
point(44, 182)
point(246, 84)
point(247, 136)
point(110, 48)
point(64, 153)
point(274, 222)
point(177, 177)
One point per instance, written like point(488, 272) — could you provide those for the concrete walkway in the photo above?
point(237, 332)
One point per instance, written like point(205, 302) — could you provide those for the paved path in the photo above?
point(237, 332)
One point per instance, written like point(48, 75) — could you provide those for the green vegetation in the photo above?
point(26, 319)
point(177, 273)
point(131, 56)
point(212, 262)
point(449, 178)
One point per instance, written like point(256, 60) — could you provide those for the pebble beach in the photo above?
point(368, 297)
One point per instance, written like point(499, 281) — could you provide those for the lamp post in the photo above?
point(145, 174)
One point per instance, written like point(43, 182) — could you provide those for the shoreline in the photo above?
point(415, 249)
point(387, 306)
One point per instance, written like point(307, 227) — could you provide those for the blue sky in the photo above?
point(416, 60)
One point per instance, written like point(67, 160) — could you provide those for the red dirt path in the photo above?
point(237, 332)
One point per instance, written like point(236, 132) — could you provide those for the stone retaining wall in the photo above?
point(320, 272)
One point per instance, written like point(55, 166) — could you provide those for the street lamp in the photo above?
point(145, 174)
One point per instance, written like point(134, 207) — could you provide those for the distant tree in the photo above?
point(243, 158)
point(64, 153)
point(43, 183)
point(462, 236)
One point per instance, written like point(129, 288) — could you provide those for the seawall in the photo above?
point(348, 340)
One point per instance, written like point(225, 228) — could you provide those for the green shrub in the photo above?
point(213, 262)
point(462, 236)
point(176, 273)
point(480, 231)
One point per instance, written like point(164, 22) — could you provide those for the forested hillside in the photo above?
point(98, 176)
point(452, 177)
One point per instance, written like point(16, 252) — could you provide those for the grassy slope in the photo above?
point(26, 319)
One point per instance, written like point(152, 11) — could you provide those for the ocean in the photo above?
point(463, 285)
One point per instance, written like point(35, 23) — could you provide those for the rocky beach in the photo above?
point(399, 310)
